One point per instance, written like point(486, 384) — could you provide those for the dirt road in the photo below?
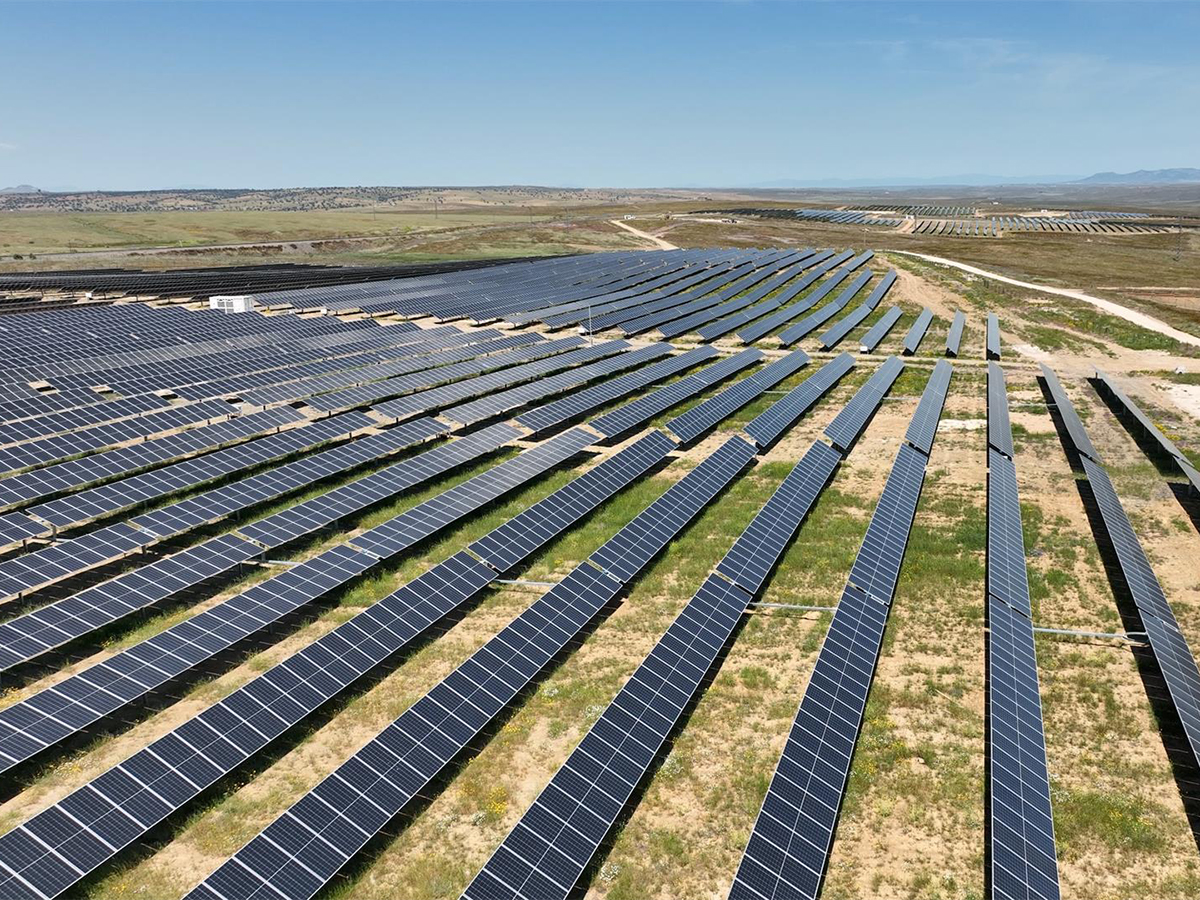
point(1116, 309)
point(658, 242)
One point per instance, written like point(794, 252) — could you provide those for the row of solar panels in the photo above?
point(1133, 416)
point(205, 282)
point(1022, 857)
point(787, 854)
point(675, 292)
point(569, 822)
point(69, 346)
point(51, 626)
point(160, 776)
point(1138, 583)
point(995, 226)
point(532, 358)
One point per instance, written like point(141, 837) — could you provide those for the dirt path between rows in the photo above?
point(657, 241)
point(1116, 309)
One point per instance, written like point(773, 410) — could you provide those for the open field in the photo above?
point(912, 822)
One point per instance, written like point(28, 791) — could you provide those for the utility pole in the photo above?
point(1179, 238)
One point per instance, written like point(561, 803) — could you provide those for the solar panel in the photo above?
point(769, 323)
point(749, 562)
point(1070, 418)
point(699, 419)
point(848, 424)
point(1139, 577)
point(1006, 569)
point(877, 565)
point(792, 837)
point(414, 749)
point(212, 505)
point(221, 737)
point(459, 391)
point(823, 262)
point(47, 717)
point(641, 410)
point(923, 426)
point(16, 528)
point(806, 259)
point(516, 539)
point(780, 415)
point(843, 326)
point(77, 443)
point(19, 489)
point(879, 330)
point(356, 496)
point(186, 644)
point(1109, 388)
point(544, 855)
point(916, 333)
point(98, 820)
point(403, 531)
point(789, 847)
point(1023, 864)
point(1178, 665)
point(32, 634)
point(999, 429)
point(993, 337)
point(456, 381)
point(57, 561)
point(139, 489)
point(493, 405)
point(576, 403)
point(793, 333)
point(632, 548)
point(95, 607)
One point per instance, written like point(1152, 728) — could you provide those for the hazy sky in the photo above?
point(600, 94)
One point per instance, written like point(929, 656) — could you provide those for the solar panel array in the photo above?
point(397, 764)
point(820, 262)
point(880, 329)
point(793, 333)
point(848, 424)
point(201, 418)
point(1022, 858)
point(954, 337)
point(844, 326)
point(700, 418)
point(785, 314)
point(992, 347)
point(555, 840)
point(105, 816)
point(576, 404)
point(1061, 403)
point(1171, 651)
point(916, 333)
point(806, 259)
point(646, 407)
point(775, 419)
point(789, 847)
point(1145, 426)
point(29, 726)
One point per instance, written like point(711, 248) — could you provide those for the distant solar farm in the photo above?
point(966, 221)
point(571, 576)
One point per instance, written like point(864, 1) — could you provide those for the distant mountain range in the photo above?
point(19, 189)
point(972, 179)
point(1142, 176)
point(1145, 176)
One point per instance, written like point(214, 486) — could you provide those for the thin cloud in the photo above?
point(5, 145)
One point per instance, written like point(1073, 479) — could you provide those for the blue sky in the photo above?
point(142, 95)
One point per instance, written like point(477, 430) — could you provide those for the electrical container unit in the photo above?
point(231, 303)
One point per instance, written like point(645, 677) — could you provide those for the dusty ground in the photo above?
point(912, 824)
